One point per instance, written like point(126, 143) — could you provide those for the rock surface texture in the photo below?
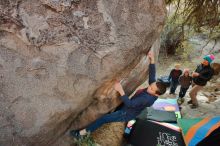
point(60, 58)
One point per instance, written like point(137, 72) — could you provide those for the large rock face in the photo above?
point(60, 58)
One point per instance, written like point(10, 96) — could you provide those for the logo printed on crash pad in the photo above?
point(166, 139)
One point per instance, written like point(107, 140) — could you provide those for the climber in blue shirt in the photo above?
point(131, 107)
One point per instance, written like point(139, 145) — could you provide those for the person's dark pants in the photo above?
point(173, 86)
point(182, 92)
point(117, 116)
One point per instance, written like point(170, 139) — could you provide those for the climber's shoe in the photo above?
point(75, 134)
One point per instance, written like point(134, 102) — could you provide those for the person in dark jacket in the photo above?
point(185, 81)
point(131, 107)
point(174, 77)
point(201, 76)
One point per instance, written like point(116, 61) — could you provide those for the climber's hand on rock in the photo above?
point(118, 87)
point(151, 56)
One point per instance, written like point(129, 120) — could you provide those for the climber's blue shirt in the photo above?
point(137, 103)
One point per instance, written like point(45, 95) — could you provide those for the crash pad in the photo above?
point(195, 130)
point(151, 133)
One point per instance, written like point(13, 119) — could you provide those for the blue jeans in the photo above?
point(117, 116)
point(173, 87)
point(182, 92)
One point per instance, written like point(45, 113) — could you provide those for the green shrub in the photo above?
point(86, 140)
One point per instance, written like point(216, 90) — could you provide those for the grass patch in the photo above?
point(86, 140)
